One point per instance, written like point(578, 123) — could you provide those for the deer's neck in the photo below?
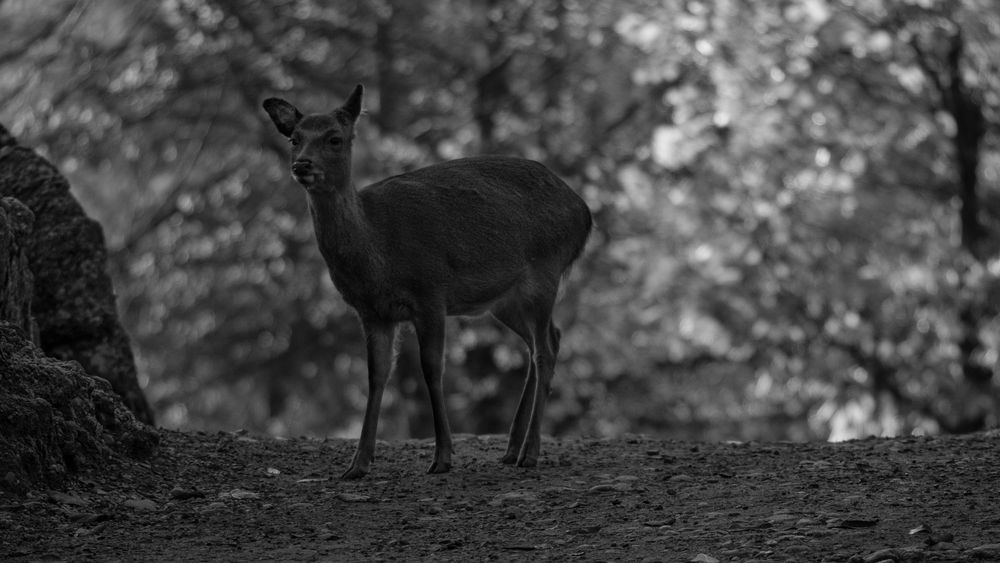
point(343, 233)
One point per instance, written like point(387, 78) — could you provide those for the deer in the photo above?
point(466, 237)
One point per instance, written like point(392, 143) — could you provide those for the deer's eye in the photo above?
point(294, 141)
point(336, 141)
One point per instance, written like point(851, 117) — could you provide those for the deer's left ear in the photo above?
point(284, 115)
point(353, 104)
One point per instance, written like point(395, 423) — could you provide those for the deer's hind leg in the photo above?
point(516, 321)
point(532, 321)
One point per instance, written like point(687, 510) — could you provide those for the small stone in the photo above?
point(64, 498)
point(702, 558)
point(610, 487)
point(240, 494)
point(352, 497)
point(178, 493)
point(514, 497)
point(986, 551)
point(142, 504)
point(586, 530)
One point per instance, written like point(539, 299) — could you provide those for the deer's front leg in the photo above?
point(380, 337)
point(430, 335)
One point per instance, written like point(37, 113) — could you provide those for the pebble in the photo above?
point(514, 497)
point(609, 487)
point(352, 497)
point(64, 498)
point(986, 551)
point(240, 494)
point(142, 504)
point(179, 493)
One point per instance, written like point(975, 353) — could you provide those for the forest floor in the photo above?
point(235, 497)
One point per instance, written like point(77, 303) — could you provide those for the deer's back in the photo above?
point(485, 205)
point(478, 224)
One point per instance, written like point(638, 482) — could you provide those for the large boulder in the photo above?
point(74, 303)
point(54, 418)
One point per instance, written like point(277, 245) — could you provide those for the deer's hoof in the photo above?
point(509, 458)
point(354, 472)
point(439, 467)
point(527, 461)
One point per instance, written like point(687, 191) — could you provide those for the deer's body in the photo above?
point(480, 256)
point(465, 237)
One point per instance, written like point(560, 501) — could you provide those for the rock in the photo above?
point(352, 497)
point(610, 487)
point(66, 498)
point(38, 421)
point(180, 493)
point(990, 551)
point(239, 494)
point(56, 420)
point(73, 302)
point(141, 504)
point(16, 281)
point(514, 497)
point(702, 558)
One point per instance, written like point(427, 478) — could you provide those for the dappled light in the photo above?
point(796, 204)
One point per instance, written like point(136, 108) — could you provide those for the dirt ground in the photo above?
point(235, 497)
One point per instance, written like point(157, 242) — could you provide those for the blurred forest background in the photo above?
point(797, 202)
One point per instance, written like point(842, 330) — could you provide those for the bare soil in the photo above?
point(235, 497)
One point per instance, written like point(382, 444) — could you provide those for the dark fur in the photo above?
point(463, 234)
point(485, 234)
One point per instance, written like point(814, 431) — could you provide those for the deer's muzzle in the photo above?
point(303, 172)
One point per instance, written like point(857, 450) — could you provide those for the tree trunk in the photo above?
point(970, 130)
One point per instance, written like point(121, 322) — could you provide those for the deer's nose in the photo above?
point(302, 166)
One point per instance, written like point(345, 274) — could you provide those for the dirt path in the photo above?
point(231, 497)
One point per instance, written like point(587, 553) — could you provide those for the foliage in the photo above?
point(797, 202)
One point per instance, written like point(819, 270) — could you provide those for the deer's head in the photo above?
point(321, 143)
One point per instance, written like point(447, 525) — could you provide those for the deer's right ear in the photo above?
point(353, 103)
point(284, 115)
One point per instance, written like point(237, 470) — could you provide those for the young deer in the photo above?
point(463, 237)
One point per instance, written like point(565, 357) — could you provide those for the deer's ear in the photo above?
point(353, 104)
point(284, 115)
